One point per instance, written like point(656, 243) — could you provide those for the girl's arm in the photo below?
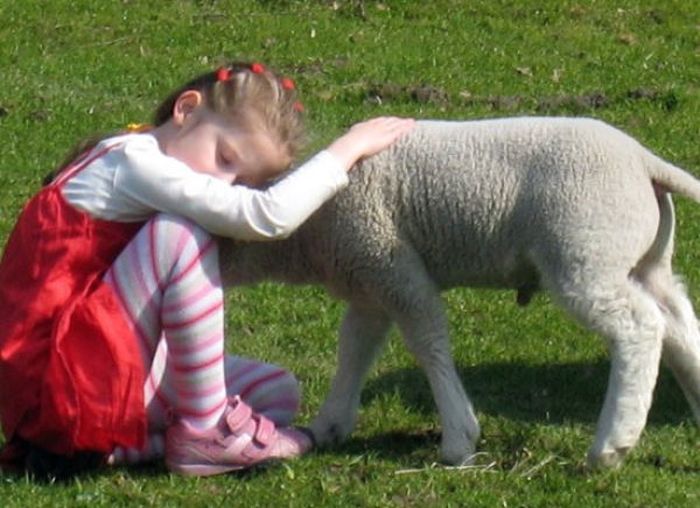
point(165, 184)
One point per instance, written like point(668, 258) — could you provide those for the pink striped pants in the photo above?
point(167, 279)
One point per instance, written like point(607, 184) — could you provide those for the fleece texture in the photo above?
point(572, 206)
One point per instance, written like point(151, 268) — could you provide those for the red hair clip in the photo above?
point(257, 68)
point(223, 74)
point(287, 83)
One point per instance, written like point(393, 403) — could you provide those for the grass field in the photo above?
point(73, 68)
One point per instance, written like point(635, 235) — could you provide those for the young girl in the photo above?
point(111, 314)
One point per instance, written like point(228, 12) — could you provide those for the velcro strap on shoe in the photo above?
point(238, 415)
point(265, 433)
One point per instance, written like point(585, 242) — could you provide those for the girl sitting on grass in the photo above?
point(111, 305)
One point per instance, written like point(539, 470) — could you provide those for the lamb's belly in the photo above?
point(471, 271)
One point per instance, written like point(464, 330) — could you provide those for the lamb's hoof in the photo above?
point(328, 434)
point(458, 458)
point(609, 459)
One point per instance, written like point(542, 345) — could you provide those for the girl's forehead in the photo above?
point(252, 141)
point(260, 147)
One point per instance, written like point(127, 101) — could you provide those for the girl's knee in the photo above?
point(178, 238)
point(289, 387)
point(179, 225)
point(281, 386)
point(269, 389)
point(279, 398)
point(283, 405)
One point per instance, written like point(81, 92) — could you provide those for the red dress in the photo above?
point(71, 376)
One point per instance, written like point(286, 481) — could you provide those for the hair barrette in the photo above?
point(287, 84)
point(223, 74)
point(257, 68)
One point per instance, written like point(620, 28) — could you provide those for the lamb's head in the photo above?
point(243, 262)
point(312, 253)
point(295, 260)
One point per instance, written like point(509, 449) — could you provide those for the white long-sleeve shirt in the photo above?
point(135, 179)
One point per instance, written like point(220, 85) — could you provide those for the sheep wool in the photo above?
point(571, 206)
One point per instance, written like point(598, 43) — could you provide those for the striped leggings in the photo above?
point(167, 279)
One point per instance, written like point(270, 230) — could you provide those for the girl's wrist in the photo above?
point(346, 153)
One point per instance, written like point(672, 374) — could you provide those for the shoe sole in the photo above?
point(203, 469)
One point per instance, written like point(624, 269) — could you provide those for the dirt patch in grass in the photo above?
point(572, 103)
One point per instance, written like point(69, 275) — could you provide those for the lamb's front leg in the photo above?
point(424, 329)
point(362, 334)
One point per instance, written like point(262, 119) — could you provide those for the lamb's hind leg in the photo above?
point(629, 318)
point(362, 334)
point(681, 345)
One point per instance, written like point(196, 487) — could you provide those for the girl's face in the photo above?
point(208, 143)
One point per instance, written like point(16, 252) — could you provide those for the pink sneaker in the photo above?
point(241, 439)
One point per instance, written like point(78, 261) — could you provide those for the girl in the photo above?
point(111, 314)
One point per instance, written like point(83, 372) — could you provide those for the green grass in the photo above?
point(73, 68)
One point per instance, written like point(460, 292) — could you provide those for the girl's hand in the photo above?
point(369, 137)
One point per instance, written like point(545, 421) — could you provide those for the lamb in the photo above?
point(572, 206)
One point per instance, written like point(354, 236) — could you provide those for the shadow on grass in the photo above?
point(550, 394)
point(556, 393)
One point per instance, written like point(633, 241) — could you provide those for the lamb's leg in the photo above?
point(413, 301)
point(630, 319)
point(681, 346)
point(425, 332)
point(421, 318)
point(362, 335)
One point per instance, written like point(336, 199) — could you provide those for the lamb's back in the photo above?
point(469, 200)
point(462, 195)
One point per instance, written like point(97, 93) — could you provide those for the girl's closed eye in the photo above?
point(227, 157)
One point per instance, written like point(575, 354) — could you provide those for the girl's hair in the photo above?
point(249, 93)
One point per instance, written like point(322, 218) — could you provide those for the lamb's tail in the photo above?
point(666, 179)
point(672, 178)
point(662, 248)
